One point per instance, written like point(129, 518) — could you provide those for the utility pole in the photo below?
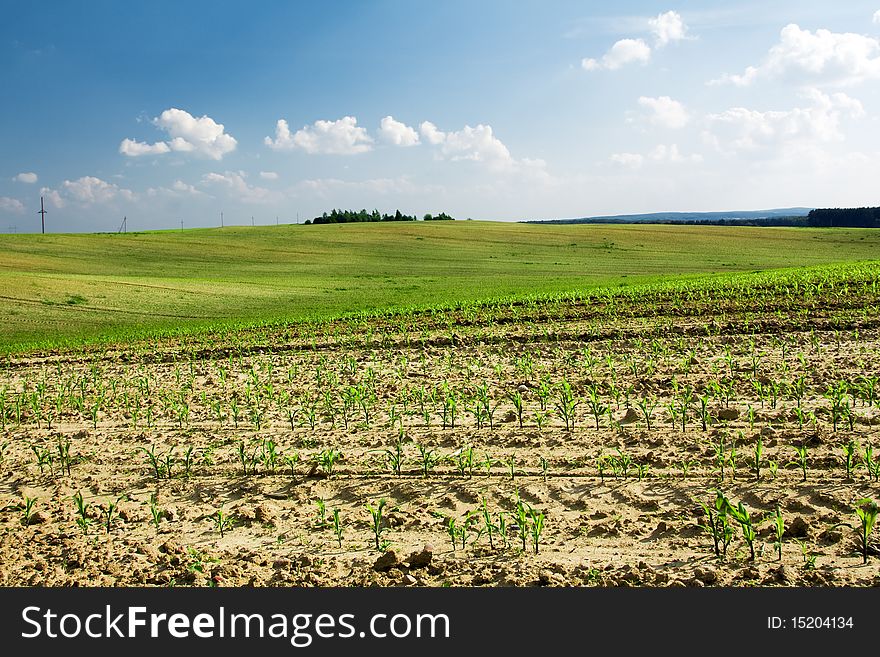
point(221, 218)
point(276, 219)
point(252, 220)
point(42, 214)
point(123, 228)
point(181, 224)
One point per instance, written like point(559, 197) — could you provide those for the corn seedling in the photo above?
point(64, 459)
point(82, 512)
point(809, 559)
point(428, 459)
point(337, 527)
point(866, 510)
point(27, 510)
point(156, 514)
point(741, 515)
point(222, 521)
point(717, 523)
point(327, 459)
point(779, 529)
point(537, 527)
point(322, 512)
point(155, 461)
point(871, 465)
point(377, 524)
point(111, 510)
point(757, 456)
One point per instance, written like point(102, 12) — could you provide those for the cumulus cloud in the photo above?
point(341, 137)
point(739, 129)
point(89, 189)
point(667, 27)
point(133, 148)
point(235, 183)
point(662, 153)
point(52, 197)
point(431, 134)
point(8, 204)
point(665, 112)
point(802, 56)
point(178, 189)
point(630, 160)
point(397, 133)
point(188, 134)
point(28, 177)
point(876, 18)
point(268, 175)
point(621, 53)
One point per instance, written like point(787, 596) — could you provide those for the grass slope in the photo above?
point(57, 288)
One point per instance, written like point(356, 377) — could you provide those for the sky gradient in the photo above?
point(167, 112)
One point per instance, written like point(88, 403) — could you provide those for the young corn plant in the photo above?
point(521, 514)
point(871, 464)
point(717, 523)
point(429, 459)
point(112, 510)
point(156, 514)
point(866, 510)
point(327, 459)
point(377, 525)
point(222, 521)
point(322, 513)
point(741, 515)
point(537, 527)
point(82, 513)
point(801, 460)
point(27, 510)
point(757, 458)
point(779, 529)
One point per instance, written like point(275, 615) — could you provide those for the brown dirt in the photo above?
point(599, 530)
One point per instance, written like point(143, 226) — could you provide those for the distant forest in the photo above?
point(848, 217)
point(356, 216)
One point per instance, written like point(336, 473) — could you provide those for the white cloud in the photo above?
point(739, 129)
point(236, 184)
point(621, 53)
point(178, 189)
point(478, 144)
point(668, 27)
point(11, 205)
point(189, 134)
point(630, 160)
point(397, 133)
point(52, 197)
point(325, 187)
point(671, 154)
point(268, 175)
point(665, 112)
point(805, 57)
point(88, 190)
point(341, 137)
point(133, 148)
point(431, 134)
point(876, 17)
point(28, 177)
point(661, 153)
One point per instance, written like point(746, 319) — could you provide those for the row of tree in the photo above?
point(848, 217)
point(356, 216)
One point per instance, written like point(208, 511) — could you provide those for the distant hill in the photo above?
point(731, 216)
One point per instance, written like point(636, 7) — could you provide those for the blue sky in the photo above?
point(165, 111)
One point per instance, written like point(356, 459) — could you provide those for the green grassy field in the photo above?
point(81, 287)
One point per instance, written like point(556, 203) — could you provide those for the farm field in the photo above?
point(719, 431)
point(79, 288)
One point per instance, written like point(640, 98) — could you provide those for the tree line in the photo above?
point(848, 217)
point(356, 216)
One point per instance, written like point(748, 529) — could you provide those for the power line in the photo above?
point(42, 214)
